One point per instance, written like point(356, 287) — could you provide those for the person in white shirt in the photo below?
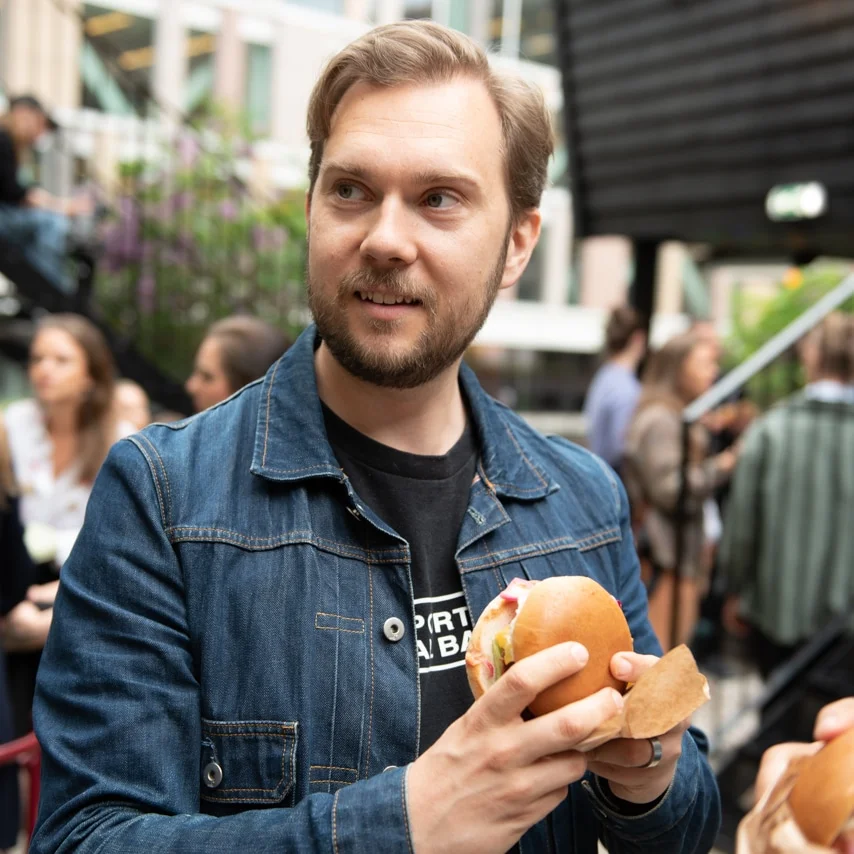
point(57, 442)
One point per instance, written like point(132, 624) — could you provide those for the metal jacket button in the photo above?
point(212, 775)
point(393, 629)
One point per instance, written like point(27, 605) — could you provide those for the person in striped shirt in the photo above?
point(787, 553)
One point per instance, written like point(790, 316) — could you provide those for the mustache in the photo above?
point(390, 281)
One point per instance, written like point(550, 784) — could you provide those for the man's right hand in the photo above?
point(492, 775)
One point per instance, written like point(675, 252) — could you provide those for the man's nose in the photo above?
point(390, 240)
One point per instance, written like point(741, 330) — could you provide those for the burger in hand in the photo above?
point(822, 799)
point(529, 616)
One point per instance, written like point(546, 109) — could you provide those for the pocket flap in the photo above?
point(249, 762)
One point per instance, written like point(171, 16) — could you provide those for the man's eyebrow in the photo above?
point(426, 178)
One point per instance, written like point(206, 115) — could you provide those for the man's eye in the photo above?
point(349, 192)
point(440, 200)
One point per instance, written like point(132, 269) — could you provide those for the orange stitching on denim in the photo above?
point(332, 782)
point(333, 768)
point(252, 734)
point(267, 421)
point(360, 631)
point(154, 479)
point(372, 640)
point(405, 814)
point(163, 469)
point(165, 477)
point(335, 822)
point(601, 538)
point(530, 464)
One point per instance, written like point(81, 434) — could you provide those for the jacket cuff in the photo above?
point(374, 814)
point(664, 814)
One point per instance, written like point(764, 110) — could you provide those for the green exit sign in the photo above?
point(790, 202)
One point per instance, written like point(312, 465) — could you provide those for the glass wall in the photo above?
point(538, 41)
point(117, 56)
point(259, 76)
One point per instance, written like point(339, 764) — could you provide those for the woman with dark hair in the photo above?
point(677, 374)
point(235, 351)
point(57, 442)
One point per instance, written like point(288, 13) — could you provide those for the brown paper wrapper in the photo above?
point(668, 693)
point(770, 828)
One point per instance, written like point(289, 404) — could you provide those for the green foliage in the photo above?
point(189, 244)
point(757, 319)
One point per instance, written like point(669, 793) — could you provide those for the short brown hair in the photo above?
point(248, 346)
point(836, 347)
point(622, 324)
point(423, 52)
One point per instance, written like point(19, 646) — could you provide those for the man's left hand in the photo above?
point(621, 761)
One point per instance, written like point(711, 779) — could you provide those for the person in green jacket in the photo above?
point(787, 553)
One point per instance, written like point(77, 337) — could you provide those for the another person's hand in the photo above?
point(78, 206)
point(25, 627)
point(43, 594)
point(832, 720)
point(621, 761)
point(492, 775)
point(731, 617)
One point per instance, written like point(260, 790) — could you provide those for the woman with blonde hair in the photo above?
point(57, 442)
point(677, 374)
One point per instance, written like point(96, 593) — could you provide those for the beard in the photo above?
point(376, 360)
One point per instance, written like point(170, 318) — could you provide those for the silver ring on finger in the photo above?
point(657, 753)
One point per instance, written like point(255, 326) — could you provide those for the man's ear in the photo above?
point(521, 242)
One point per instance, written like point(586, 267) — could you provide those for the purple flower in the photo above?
point(145, 291)
point(188, 150)
point(181, 201)
point(228, 210)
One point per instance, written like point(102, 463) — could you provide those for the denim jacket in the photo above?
point(217, 678)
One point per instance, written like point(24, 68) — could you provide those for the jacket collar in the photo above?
point(291, 442)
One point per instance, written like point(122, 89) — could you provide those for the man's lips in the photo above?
point(385, 298)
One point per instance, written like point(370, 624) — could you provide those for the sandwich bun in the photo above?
point(565, 608)
point(822, 799)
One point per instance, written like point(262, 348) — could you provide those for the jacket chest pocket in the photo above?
point(248, 762)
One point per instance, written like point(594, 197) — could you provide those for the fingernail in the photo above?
point(622, 668)
point(827, 723)
point(618, 700)
point(579, 653)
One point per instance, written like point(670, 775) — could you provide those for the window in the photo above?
point(199, 87)
point(259, 75)
point(538, 41)
point(116, 60)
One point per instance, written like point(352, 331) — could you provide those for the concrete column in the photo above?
point(230, 62)
point(389, 11)
point(358, 10)
point(604, 271)
point(669, 285)
point(557, 250)
point(40, 51)
point(170, 58)
point(479, 20)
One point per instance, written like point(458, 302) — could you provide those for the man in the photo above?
point(270, 603)
point(787, 547)
point(30, 218)
point(615, 389)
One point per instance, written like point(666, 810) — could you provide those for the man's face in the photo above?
point(409, 229)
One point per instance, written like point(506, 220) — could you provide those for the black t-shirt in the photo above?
point(424, 499)
point(11, 191)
